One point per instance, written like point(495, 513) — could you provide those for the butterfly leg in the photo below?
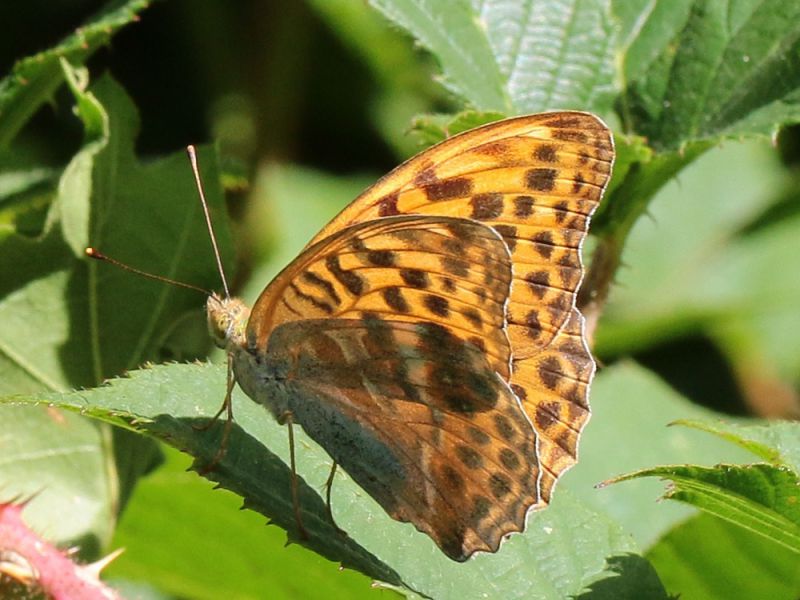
point(328, 487)
point(227, 406)
point(295, 499)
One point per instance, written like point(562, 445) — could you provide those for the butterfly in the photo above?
point(428, 337)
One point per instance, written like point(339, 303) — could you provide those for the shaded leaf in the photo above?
point(34, 79)
point(698, 70)
point(213, 550)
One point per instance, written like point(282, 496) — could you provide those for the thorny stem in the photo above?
point(626, 202)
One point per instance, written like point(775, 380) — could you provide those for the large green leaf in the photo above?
point(517, 57)
point(65, 325)
point(761, 498)
point(705, 69)
point(565, 548)
point(193, 542)
point(706, 557)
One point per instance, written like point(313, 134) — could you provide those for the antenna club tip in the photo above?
point(94, 253)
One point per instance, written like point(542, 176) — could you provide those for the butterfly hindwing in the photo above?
point(419, 419)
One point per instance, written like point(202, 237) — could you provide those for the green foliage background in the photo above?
point(305, 104)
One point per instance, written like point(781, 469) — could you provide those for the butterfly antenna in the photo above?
point(97, 255)
point(190, 150)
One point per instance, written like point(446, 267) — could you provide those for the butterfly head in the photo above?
point(227, 321)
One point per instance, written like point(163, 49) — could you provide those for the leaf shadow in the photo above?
point(249, 469)
point(627, 576)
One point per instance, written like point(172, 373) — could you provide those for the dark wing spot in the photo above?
point(509, 235)
point(352, 281)
point(437, 305)
point(469, 457)
point(487, 206)
point(478, 436)
point(448, 284)
point(474, 317)
point(564, 120)
point(387, 206)
point(533, 323)
point(570, 276)
point(562, 209)
point(457, 187)
point(504, 427)
point(455, 266)
point(539, 282)
point(500, 485)
point(395, 300)
point(323, 306)
point(578, 183)
point(323, 284)
point(546, 153)
point(544, 243)
point(568, 135)
point(480, 508)
point(550, 371)
point(414, 278)
point(381, 258)
point(509, 459)
point(453, 479)
point(519, 391)
point(523, 206)
point(546, 415)
point(426, 176)
point(542, 180)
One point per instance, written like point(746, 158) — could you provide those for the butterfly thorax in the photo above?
point(257, 374)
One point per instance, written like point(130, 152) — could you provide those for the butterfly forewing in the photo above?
point(435, 269)
point(535, 180)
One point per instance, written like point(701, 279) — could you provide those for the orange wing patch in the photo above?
point(536, 180)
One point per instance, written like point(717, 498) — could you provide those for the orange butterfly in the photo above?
point(427, 338)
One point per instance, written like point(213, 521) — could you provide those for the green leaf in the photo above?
point(698, 70)
point(564, 549)
point(552, 54)
point(62, 463)
point(709, 558)
point(777, 441)
point(432, 129)
point(193, 542)
point(457, 40)
point(680, 262)
point(64, 325)
point(761, 498)
point(631, 411)
point(33, 80)
point(519, 57)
